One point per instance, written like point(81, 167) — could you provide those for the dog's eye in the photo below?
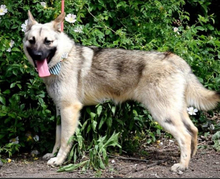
point(32, 41)
point(47, 42)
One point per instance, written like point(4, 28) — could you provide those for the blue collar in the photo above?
point(55, 70)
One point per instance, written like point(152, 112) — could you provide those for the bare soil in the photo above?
point(161, 156)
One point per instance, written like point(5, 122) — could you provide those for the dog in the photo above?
point(76, 76)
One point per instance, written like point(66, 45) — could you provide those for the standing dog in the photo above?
point(77, 75)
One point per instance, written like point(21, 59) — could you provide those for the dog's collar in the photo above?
point(55, 70)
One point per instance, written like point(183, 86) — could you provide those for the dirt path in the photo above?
point(206, 164)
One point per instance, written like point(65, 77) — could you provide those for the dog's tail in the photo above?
point(200, 97)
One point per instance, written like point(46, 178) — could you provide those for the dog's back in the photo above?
point(118, 74)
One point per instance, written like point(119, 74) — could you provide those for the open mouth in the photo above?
point(41, 60)
point(42, 68)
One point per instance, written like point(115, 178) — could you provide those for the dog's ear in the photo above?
point(31, 21)
point(58, 21)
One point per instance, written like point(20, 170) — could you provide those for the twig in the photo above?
point(155, 163)
point(140, 160)
point(129, 158)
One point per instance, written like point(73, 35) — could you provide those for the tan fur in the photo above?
point(161, 81)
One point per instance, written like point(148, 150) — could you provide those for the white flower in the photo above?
point(71, 18)
point(36, 138)
point(11, 45)
point(3, 10)
point(175, 29)
point(78, 29)
point(24, 26)
point(192, 111)
point(44, 4)
point(15, 140)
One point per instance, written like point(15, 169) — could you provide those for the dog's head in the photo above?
point(41, 42)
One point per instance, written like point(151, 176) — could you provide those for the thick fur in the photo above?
point(161, 81)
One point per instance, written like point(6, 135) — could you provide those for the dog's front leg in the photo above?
point(57, 144)
point(69, 120)
point(58, 137)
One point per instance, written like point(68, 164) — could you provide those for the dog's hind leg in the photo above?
point(186, 134)
point(174, 119)
point(181, 127)
point(69, 121)
point(58, 137)
point(165, 99)
point(177, 127)
point(193, 131)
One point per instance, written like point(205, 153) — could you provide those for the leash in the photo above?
point(55, 70)
point(62, 10)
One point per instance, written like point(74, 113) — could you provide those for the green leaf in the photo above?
point(200, 28)
point(102, 121)
point(2, 100)
point(6, 91)
point(113, 109)
point(79, 138)
point(13, 85)
point(15, 49)
point(92, 115)
point(19, 86)
point(99, 110)
point(84, 125)
point(94, 124)
point(210, 27)
point(71, 167)
point(112, 141)
point(101, 164)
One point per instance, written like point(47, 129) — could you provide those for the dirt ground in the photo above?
point(205, 164)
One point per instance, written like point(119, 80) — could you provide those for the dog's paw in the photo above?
point(178, 168)
point(48, 156)
point(54, 161)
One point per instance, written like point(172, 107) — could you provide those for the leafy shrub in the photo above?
point(27, 111)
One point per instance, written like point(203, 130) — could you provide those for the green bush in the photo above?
point(26, 110)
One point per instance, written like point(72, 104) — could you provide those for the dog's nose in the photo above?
point(37, 55)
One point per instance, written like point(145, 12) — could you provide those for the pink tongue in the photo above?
point(42, 68)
